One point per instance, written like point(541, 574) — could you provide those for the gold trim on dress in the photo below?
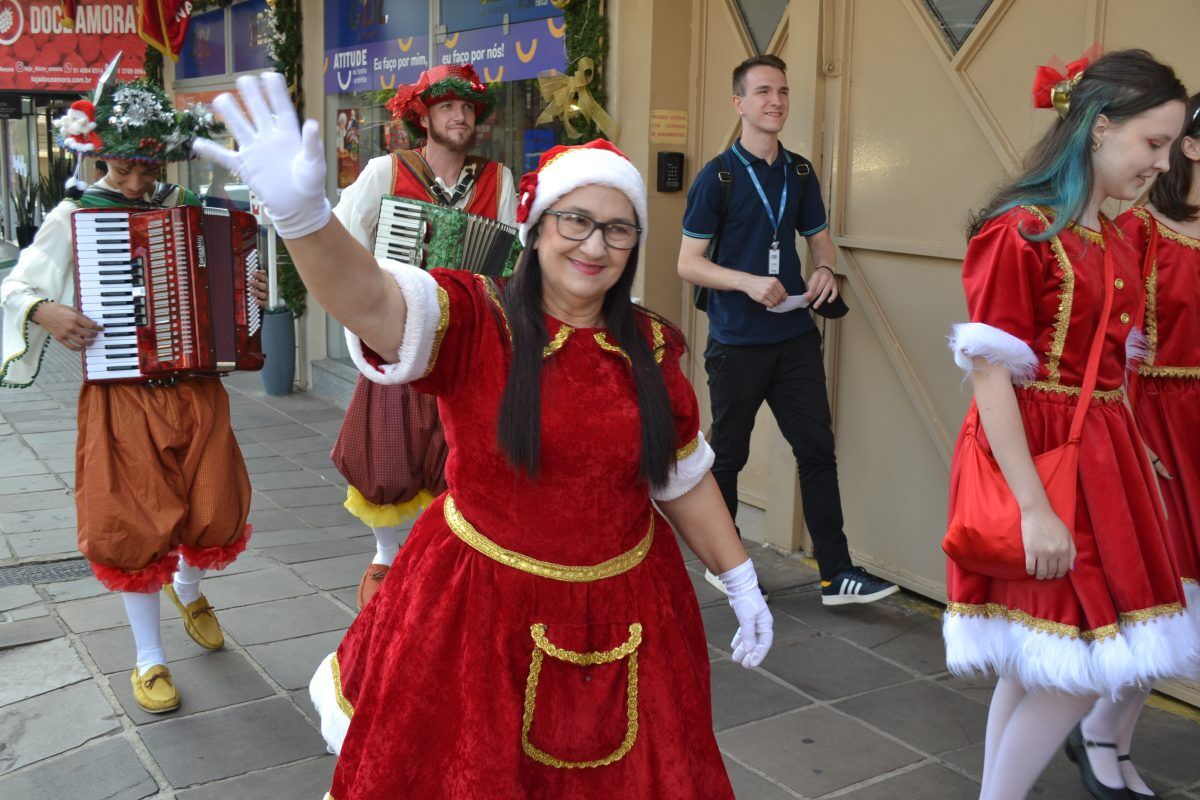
point(1147, 368)
point(544, 569)
point(605, 344)
point(688, 448)
point(1087, 234)
point(626, 650)
point(440, 333)
point(1147, 614)
point(659, 346)
point(660, 342)
point(1171, 233)
point(1026, 620)
point(342, 702)
point(490, 288)
point(558, 341)
point(1102, 395)
point(1066, 298)
point(1169, 372)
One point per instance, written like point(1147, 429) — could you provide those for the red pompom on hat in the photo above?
point(564, 168)
point(449, 81)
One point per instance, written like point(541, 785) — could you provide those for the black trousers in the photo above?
point(790, 377)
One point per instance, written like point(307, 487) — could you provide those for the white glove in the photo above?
point(755, 624)
point(282, 164)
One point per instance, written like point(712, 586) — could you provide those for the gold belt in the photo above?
point(544, 569)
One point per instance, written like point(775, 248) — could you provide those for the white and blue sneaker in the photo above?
point(855, 585)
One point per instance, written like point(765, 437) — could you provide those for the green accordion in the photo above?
point(426, 235)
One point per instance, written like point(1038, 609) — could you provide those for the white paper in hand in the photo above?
point(793, 302)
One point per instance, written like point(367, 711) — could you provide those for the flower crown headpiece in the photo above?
point(1054, 83)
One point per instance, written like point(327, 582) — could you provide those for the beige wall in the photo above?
point(907, 136)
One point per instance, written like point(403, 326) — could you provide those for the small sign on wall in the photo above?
point(668, 126)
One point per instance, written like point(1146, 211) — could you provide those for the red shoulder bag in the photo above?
point(984, 534)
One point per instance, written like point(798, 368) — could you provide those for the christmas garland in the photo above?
point(586, 37)
point(287, 52)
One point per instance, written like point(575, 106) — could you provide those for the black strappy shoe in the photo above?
point(1076, 749)
point(1132, 793)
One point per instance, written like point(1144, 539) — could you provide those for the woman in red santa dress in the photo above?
point(1103, 607)
point(1165, 395)
point(538, 636)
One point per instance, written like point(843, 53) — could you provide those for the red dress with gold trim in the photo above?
point(536, 637)
point(1117, 618)
point(1167, 400)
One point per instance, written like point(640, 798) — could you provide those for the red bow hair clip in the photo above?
point(1054, 82)
point(526, 193)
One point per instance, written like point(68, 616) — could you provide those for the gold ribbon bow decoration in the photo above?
point(567, 96)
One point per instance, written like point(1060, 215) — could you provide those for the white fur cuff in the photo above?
point(689, 471)
point(421, 323)
point(971, 339)
point(324, 692)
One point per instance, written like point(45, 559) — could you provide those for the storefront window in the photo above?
point(370, 53)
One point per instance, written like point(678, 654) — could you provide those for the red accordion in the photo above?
point(171, 288)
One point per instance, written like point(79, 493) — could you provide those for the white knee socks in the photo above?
point(142, 610)
point(187, 582)
point(387, 545)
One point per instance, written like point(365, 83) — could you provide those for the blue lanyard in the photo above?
point(774, 219)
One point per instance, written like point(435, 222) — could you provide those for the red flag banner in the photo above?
point(40, 52)
point(163, 24)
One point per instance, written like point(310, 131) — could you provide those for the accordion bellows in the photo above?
point(425, 235)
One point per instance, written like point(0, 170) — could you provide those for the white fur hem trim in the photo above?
point(421, 324)
point(971, 339)
point(688, 471)
point(334, 722)
point(1164, 647)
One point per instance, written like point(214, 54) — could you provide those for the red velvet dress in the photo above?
point(536, 637)
point(1117, 618)
point(1167, 400)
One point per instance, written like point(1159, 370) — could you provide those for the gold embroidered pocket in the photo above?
point(578, 693)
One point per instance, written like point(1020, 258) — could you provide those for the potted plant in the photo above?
point(25, 196)
point(52, 189)
point(279, 326)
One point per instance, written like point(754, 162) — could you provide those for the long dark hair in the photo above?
point(1170, 191)
point(1058, 171)
point(520, 426)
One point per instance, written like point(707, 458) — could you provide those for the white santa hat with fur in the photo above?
point(564, 168)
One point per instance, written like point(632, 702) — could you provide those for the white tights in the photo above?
point(1024, 730)
point(1114, 721)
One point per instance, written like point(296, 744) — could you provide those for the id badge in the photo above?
point(773, 259)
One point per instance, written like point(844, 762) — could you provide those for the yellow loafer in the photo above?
point(200, 621)
point(154, 692)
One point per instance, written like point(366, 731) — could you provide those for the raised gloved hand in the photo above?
point(282, 164)
point(755, 624)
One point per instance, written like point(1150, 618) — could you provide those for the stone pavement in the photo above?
point(854, 703)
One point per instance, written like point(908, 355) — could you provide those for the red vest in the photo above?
point(411, 177)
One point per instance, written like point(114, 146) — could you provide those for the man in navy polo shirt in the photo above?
point(754, 353)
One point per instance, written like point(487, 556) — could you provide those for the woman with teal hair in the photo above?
point(1101, 606)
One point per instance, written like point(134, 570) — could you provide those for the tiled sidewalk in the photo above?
point(853, 703)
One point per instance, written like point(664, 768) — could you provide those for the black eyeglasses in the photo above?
point(578, 227)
